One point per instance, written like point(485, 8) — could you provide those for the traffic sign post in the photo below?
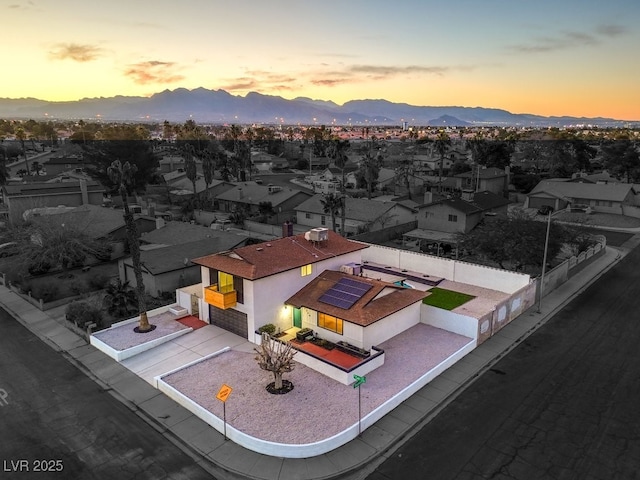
point(359, 380)
point(223, 395)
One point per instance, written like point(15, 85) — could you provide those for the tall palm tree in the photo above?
point(21, 135)
point(337, 150)
point(442, 144)
point(122, 175)
point(332, 204)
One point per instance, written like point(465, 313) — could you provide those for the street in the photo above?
point(562, 405)
point(55, 422)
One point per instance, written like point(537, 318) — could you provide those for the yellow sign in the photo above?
point(224, 393)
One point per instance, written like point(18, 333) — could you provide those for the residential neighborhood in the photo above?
point(389, 272)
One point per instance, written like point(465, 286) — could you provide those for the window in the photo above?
point(323, 220)
point(453, 218)
point(238, 286)
point(330, 323)
point(225, 282)
point(307, 215)
point(306, 270)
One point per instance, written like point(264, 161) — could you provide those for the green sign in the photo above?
point(359, 380)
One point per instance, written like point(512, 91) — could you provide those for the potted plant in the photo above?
point(304, 334)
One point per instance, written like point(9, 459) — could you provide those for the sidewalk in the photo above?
point(356, 459)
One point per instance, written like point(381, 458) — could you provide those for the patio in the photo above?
point(331, 355)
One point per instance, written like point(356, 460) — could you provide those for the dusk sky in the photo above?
point(561, 57)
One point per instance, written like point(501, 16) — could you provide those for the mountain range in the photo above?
point(218, 107)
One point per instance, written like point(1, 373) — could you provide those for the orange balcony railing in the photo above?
point(223, 300)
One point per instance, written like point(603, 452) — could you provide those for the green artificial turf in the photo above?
point(446, 299)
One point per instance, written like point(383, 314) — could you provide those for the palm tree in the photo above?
point(338, 151)
point(122, 175)
point(332, 204)
point(21, 135)
point(190, 168)
point(442, 144)
point(208, 168)
point(120, 299)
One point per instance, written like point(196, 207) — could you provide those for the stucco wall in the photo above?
point(454, 270)
point(390, 326)
point(448, 320)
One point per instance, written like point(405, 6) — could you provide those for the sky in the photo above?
point(560, 57)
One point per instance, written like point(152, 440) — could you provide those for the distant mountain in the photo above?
point(448, 121)
point(219, 106)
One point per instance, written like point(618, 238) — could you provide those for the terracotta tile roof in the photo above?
point(275, 256)
point(369, 309)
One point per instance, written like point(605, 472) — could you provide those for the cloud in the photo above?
point(611, 30)
point(332, 76)
point(260, 80)
point(76, 52)
point(569, 39)
point(24, 6)
point(153, 71)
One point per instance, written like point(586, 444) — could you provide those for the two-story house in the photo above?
point(492, 180)
point(246, 287)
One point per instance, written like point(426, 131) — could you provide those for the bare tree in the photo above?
point(276, 357)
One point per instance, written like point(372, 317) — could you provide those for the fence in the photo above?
point(570, 267)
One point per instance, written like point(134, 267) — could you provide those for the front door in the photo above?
point(297, 318)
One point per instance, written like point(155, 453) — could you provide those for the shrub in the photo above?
point(269, 328)
point(98, 281)
point(83, 313)
point(78, 286)
point(47, 292)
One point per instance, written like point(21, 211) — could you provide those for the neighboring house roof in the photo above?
point(251, 193)
point(457, 204)
point(361, 209)
point(615, 192)
point(382, 299)
point(483, 173)
point(276, 256)
point(178, 233)
point(176, 257)
point(347, 169)
point(488, 200)
point(36, 189)
point(96, 221)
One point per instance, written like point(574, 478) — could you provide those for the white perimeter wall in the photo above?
point(454, 270)
point(448, 320)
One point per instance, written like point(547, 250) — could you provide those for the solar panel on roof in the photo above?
point(345, 293)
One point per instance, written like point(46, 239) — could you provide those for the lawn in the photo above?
point(446, 299)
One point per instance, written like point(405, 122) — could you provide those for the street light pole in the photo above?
point(544, 262)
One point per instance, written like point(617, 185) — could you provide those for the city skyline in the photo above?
point(572, 58)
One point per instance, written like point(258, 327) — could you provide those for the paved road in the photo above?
point(51, 411)
point(562, 405)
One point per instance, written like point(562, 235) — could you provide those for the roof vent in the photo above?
point(259, 249)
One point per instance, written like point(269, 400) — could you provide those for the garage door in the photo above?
point(231, 320)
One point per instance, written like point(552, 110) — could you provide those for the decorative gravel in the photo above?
point(123, 337)
point(317, 407)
